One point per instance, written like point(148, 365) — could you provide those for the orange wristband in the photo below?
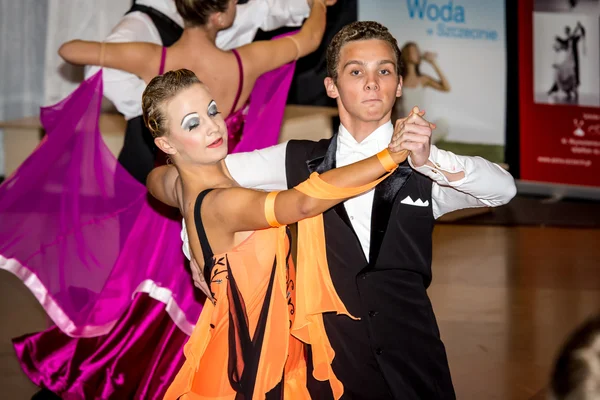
point(270, 210)
point(386, 160)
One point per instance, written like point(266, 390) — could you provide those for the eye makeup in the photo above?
point(190, 121)
point(212, 109)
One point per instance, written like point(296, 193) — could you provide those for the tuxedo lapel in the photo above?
point(383, 202)
point(384, 197)
point(324, 162)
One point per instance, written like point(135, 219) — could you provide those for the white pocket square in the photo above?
point(417, 203)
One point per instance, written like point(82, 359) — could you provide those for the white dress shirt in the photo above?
point(125, 90)
point(485, 184)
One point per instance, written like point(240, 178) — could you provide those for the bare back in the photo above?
point(196, 51)
point(217, 69)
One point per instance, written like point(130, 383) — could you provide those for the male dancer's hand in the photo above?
point(413, 133)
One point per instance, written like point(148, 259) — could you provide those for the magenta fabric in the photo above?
point(267, 107)
point(235, 123)
point(257, 125)
point(85, 237)
point(80, 231)
point(138, 359)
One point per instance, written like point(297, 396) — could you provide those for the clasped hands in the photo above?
point(413, 134)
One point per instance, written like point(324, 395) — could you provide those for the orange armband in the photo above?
point(386, 160)
point(270, 210)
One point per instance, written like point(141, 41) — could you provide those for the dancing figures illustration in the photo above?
point(567, 67)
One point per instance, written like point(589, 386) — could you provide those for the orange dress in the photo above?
point(249, 342)
point(242, 346)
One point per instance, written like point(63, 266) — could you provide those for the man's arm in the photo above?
point(465, 182)
point(284, 13)
point(562, 41)
point(262, 14)
point(259, 169)
point(458, 181)
point(120, 87)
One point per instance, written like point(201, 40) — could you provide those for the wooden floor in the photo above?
point(505, 299)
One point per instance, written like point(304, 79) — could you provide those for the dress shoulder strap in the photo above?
point(204, 244)
point(241, 80)
point(163, 58)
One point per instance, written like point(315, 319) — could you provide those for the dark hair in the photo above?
point(405, 55)
point(360, 30)
point(197, 12)
point(575, 375)
point(160, 90)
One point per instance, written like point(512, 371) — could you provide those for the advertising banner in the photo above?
point(559, 91)
point(455, 57)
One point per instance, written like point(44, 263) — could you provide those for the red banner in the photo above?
point(559, 91)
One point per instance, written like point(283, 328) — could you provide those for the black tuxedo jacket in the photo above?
point(394, 351)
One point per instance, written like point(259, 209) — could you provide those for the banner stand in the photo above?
point(557, 191)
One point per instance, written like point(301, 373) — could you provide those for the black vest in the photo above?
point(394, 351)
point(139, 152)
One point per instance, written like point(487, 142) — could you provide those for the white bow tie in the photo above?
point(349, 146)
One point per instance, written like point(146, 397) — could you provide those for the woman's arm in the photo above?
point(163, 184)
point(138, 58)
point(442, 83)
point(579, 28)
point(264, 56)
point(239, 209)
